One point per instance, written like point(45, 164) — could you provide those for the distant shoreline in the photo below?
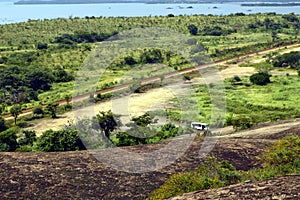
point(262, 3)
point(38, 2)
point(271, 4)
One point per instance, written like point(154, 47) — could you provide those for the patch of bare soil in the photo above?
point(233, 70)
point(285, 187)
point(79, 175)
point(134, 105)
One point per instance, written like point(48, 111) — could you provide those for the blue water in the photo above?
point(10, 13)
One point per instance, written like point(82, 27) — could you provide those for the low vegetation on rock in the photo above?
point(280, 159)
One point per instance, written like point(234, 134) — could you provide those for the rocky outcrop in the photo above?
point(79, 175)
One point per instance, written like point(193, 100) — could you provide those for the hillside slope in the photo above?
point(78, 175)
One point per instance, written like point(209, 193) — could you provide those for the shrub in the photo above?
point(285, 151)
point(209, 175)
point(22, 124)
point(8, 140)
point(280, 159)
point(63, 140)
point(3, 125)
point(260, 78)
point(288, 59)
point(237, 78)
point(38, 110)
point(29, 138)
point(25, 148)
point(193, 29)
point(241, 122)
point(41, 46)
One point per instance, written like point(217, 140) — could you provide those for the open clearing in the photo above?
point(133, 105)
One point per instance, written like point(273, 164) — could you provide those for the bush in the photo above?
point(237, 78)
point(63, 140)
point(209, 175)
point(260, 78)
point(38, 110)
point(3, 124)
point(280, 159)
point(8, 140)
point(241, 122)
point(25, 148)
point(41, 46)
point(22, 124)
point(193, 29)
point(145, 135)
point(285, 151)
point(29, 138)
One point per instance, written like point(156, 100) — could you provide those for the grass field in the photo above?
point(277, 100)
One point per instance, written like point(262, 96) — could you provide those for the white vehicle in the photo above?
point(199, 126)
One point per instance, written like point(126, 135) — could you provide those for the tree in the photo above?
point(38, 110)
point(63, 140)
point(274, 36)
point(41, 46)
point(267, 23)
point(30, 137)
point(151, 56)
point(52, 107)
point(3, 125)
point(8, 140)
point(143, 120)
point(291, 59)
point(193, 29)
point(2, 108)
point(15, 110)
point(68, 98)
point(107, 122)
point(260, 78)
point(242, 122)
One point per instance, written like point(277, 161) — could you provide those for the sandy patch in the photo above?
point(127, 107)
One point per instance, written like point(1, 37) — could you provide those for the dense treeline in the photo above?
point(22, 84)
point(291, 60)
